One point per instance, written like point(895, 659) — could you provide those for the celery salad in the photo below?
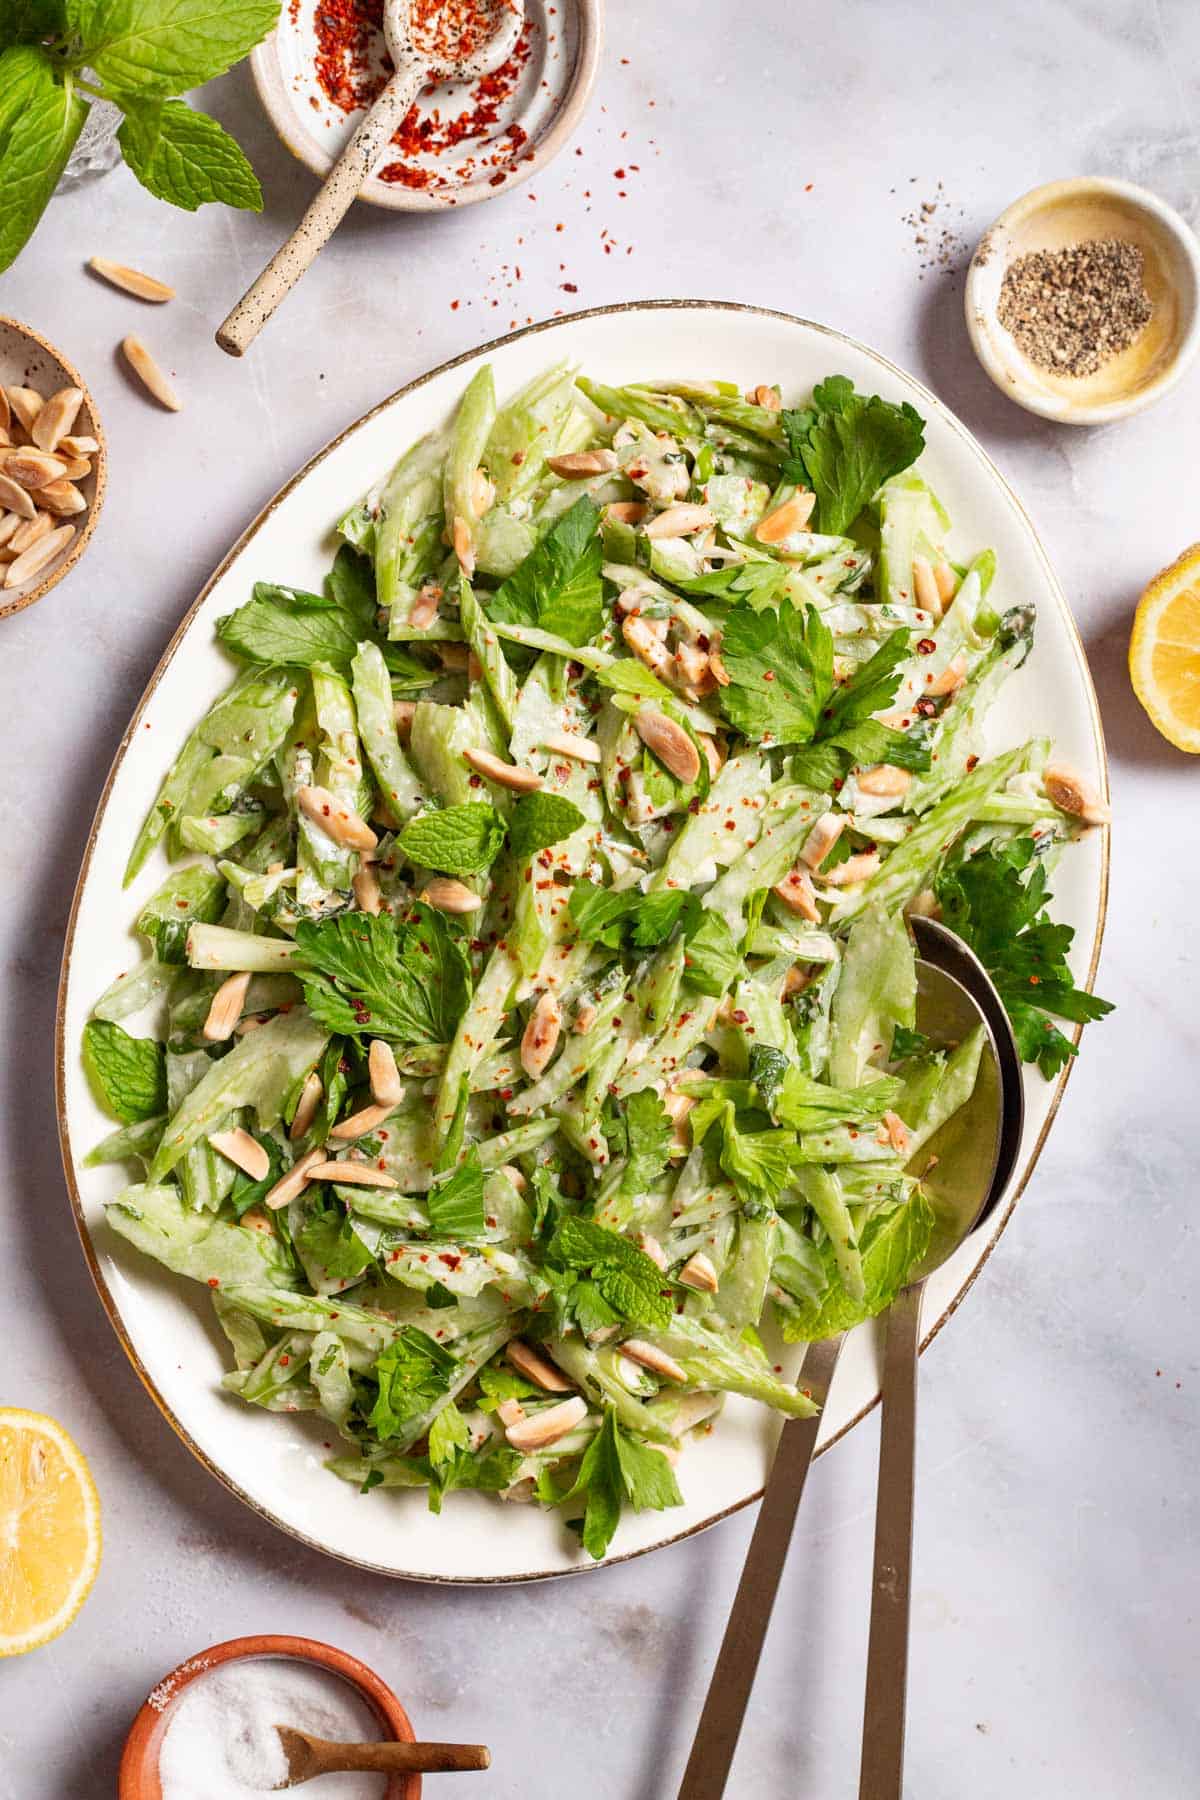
point(533, 998)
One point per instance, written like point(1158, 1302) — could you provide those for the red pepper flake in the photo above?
point(213, 1282)
point(569, 287)
point(972, 763)
point(926, 646)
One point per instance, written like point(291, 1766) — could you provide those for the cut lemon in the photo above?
point(1164, 651)
point(49, 1530)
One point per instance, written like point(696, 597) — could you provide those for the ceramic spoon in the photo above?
point(412, 46)
point(954, 993)
point(308, 1757)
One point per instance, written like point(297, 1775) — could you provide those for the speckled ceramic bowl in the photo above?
point(138, 1776)
point(525, 113)
point(1067, 212)
point(27, 359)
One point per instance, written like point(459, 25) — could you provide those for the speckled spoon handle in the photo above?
point(327, 210)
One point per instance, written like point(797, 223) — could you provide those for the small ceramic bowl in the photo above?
point(521, 116)
point(138, 1776)
point(28, 360)
point(1067, 212)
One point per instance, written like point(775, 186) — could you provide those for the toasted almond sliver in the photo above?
point(947, 582)
point(897, 1131)
point(579, 749)
point(680, 521)
point(10, 524)
point(669, 742)
point(464, 547)
point(448, 896)
point(537, 1368)
point(78, 446)
point(29, 531)
point(1071, 794)
point(25, 403)
point(16, 498)
point(244, 1151)
point(404, 712)
point(540, 1036)
point(796, 893)
point(35, 559)
point(951, 677)
point(361, 1123)
point(821, 839)
point(854, 869)
point(352, 1174)
point(290, 1185)
point(506, 775)
point(335, 819)
point(306, 1107)
point(642, 639)
point(698, 1272)
point(793, 515)
point(34, 468)
point(510, 1412)
point(578, 465)
point(925, 587)
point(884, 778)
point(649, 1356)
point(387, 1089)
point(132, 281)
point(149, 374)
point(368, 895)
point(766, 397)
point(626, 512)
point(424, 609)
point(5, 412)
point(650, 1246)
point(77, 468)
point(225, 1008)
point(542, 1428)
point(56, 418)
point(61, 497)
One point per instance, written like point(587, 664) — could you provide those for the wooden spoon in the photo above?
point(415, 51)
point(309, 1756)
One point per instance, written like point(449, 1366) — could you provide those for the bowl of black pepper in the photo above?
point(1083, 300)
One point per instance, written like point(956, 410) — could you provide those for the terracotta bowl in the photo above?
point(28, 360)
point(138, 1776)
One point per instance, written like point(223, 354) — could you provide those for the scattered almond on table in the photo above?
point(40, 463)
point(131, 281)
point(149, 373)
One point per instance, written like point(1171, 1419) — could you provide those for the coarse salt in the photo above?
point(221, 1742)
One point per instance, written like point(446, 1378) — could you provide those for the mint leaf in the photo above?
point(713, 957)
point(128, 1074)
point(459, 840)
point(456, 1205)
point(846, 445)
point(540, 820)
point(30, 21)
point(166, 46)
point(602, 916)
point(413, 1373)
point(40, 119)
point(757, 583)
point(557, 587)
point(185, 156)
point(497, 1383)
point(781, 673)
point(626, 1278)
point(289, 628)
point(369, 977)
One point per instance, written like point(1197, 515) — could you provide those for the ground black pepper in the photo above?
point(1071, 310)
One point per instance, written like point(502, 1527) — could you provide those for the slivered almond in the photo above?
point(796, 980)
point(225, 1008)
point(925, 587)
point(695, 668)
point(404, 712)
point(577, 465)
point(951, 677)
point(854, 869)
point(131, 281)
point(884, 778)
point(720, 672)
point(5, 412)
point(29, 531)
point(35, 559)
point(541, 1035)
point(306, 1106)
point(510, 1412)
point(289, 1186)
point(10, 524)
point(766, 397)
point(368, 895)
point(698, 1272)
point(352, 1174)
point(387, 1089)
point(680, 521)
point(650, 1246)
point(714, 754)
point(149, 374)
point(796, 893)
point(649, 1356)
point(77, 468)
point(483, 493)
point(1071, 794)
point(585, 1017)
point(897, 1131)
point(34, 468)
point(947, 582)
point(25, 403)
point(821, 839)
point(16, 498)
point(245, 1152)
point(506, 775)
point(536, 1368)
point(540, 1429)
point(424, 609)
point(56, 418)
point(669, 742)
point(449, 896)
point(78, 446)
point(677, 1106)
point(361, 1123)
point(793, 515)
point(512, 1174)
point(579, 749)
point(464, 547)
point(335, 819)
point(61, 497)
point(626, 512)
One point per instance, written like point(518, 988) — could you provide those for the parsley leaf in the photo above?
point(448, 1434)
point(456, 1205)
point(558, 587)
point(890, 1244)
point(540, 820)
point(370, 977)
point(642, 1133)
point(413, 1373)
point(616, 1467)
point(758, 583)
point(329, 1239)
point(846, 445)
point(625, 1277)
point(780, 671)
point(127, 1073)
point(759, 1163)
point(713, 957)
point(602, 916)
point(996, 900)
point(459, 840)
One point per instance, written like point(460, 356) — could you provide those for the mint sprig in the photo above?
point(58, 56)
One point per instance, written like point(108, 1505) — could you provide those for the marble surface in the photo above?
point(1056, 1572)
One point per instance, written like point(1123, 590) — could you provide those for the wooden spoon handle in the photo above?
point(326, 211)
point(398, 1759)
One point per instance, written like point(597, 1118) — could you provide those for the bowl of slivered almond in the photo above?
point(52, 466)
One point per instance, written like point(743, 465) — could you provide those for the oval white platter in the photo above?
point(273, 1462)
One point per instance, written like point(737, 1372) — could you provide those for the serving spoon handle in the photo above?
point(327, 209)
point(882, 1769)
point(733, 1677)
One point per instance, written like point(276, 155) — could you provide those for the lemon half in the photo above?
point(1164, 651)
point(49, 1530)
